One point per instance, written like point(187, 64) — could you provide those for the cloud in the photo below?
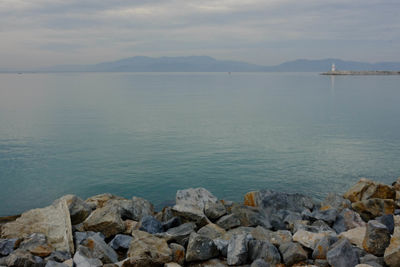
point(259, 31)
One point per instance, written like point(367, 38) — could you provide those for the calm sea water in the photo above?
point(150, 134)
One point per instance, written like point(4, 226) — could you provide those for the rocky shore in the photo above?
point(360, 228)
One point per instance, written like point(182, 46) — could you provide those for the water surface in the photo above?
point(150, 134)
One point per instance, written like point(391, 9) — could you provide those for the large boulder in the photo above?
point(200, 248)
point(179, 234)
point(148, 250)
point(346, 220)
point(214, 210)
point(21, 258)
point(271, 201)
point(106, 220)
point(238, 249)
point(83, 258)
point(292, 253)
point(121, 242)
point(37, 245)
point(322, 247)
point(335, 201)
point(355, 236)
point(308, 239)
point(7, 246)
point(100, 250)
point(377, 238)
point(250, 216)
point(211, 231)
point(52, 221)
point(264, 250)
point(151, 225)
point(392, 252)
point(178, 253)
point(366, 189)
point(341, 254)
point(374, 207)
point(229, 221)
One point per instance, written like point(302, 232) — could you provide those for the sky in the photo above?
point(37, 33)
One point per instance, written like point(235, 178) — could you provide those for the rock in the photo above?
point(308, 239)
point(130, 225)
point(335, 201)
point(172, 264)
point(321, 263)
point(178, 253)
point(392, 252)
point(190, 204)
point(82, 258)
point(275, 238)
point(366, 189)
point(374, 207)
point(341, 254)
point(52, 221)
point(80, 237)
point(121, 242)
point(229, 221)
point(363, 265)
point(136, 208)
point(292, 253)
point(372, 260)
point(100, 250)
point(211, 231)
point(272, 201)
point(396, 184)
point(377, 238)
point(222, 246)
point(165, 215)
point(238, 249)
point(20, 257)
point(171, 223)
point(290, 219)
point(37, 245)
point(355, 236)
point(52, 263)
point(322, 247)
point(263, 250)
point(106, 220)
point(69, 263)
point(209, 263)
point(250, 216)
point(346, 220)
point(214, 210)
point(78, 209)
point(328, 215)
point(200, 248)
point(7, 246)
point(259, 263)
point(178, 234)
point(98, 201)
point(58, 256)
point(151, 225)
point(148, 250)
point(388, 221)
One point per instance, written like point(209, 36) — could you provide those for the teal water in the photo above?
point(150, 134)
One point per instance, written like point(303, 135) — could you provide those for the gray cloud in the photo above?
point(43, 32)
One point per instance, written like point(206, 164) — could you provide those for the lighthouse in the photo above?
point(333, 68)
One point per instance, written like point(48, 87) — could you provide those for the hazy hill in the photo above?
point(209, 64)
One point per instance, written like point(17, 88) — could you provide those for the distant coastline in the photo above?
point(350, 72)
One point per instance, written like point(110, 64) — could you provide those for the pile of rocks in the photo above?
point(269, 228)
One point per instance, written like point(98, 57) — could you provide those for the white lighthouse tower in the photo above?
point(333, 68)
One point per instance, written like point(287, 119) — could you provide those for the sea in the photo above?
point(151, 134)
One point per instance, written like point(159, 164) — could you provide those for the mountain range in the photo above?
point(209, 64)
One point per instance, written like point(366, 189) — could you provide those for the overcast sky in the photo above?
point(47, 32)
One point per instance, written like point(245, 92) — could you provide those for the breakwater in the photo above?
point(268, 228)
point(350, 72)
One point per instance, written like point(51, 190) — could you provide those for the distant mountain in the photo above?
point(209, 64)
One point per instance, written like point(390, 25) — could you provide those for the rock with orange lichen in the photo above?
point(100, 250)
point(322, 247)
point(178, 253)
point(392, 252)
point(366, 189)
point(355, 236)
point(374, 207)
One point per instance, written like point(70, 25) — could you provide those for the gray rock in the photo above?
point(392, 252)
point(388, 221)
point(178, 253)
point(165, 214)
point(211, 231)
point(237, 231)
point(238, 249)
point(341, 254)
point(291, 218)
point(264, 250)
point(82, 258)
point(259, 263)
point(308, 239)
point(58, 256)
point(52, 221)
point(135, 209)
point(151, 225)
point(106, 220)
point(37, 245)
point(272, 201)
point(179, 234)
point(21, 257)
point(323, 246)
point(335, 201)
point(222, 246)
point(214, 210)
point(171, 223)
point(200, 248)
point(321, 263)
point(377, 238)
point(292, 253)
point(121, 242)
point(250, 216)
point(209, 263)
point(347, 219)
point(374, 207)
point(7, 246)
point(100, 250)
point(52, 263)
point(80, 237)
point(229, 221)
point(328, 216)
point(372, 260)
point(79, 210)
